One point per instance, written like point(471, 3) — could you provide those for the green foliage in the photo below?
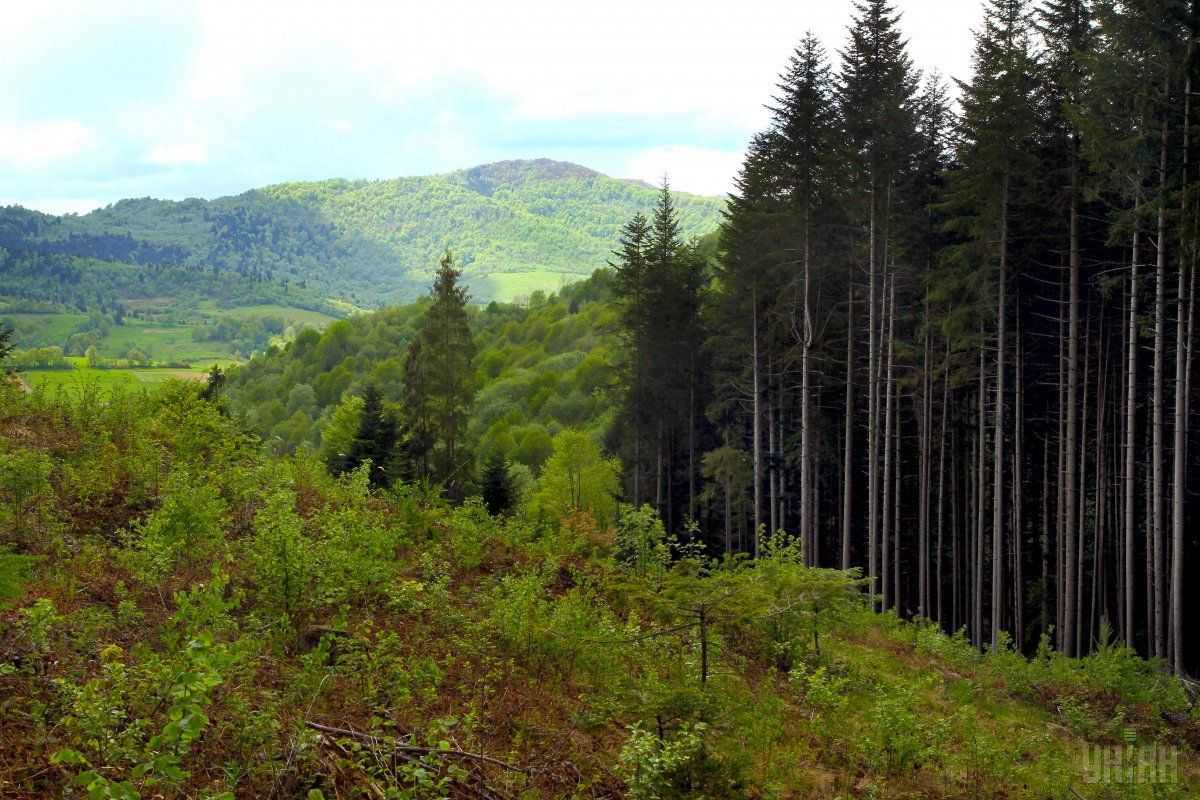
point(499, 494)
point(299, 244)
point(901, 739)
point(281, 560)
point(642, 545)
point(440, 387)
point(188, 525)
point(576, 478)
point(339, 433)
point(24, 494)
point(678, 767)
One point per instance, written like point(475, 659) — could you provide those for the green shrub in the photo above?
point(280, 559)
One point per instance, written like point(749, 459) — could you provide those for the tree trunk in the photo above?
point(887, 435)
point(1160, 322)
point(977, 635)
point(1131, 435)
point(1071, 447)
point(941, 513)
point(998, 433)
point(1019, 492)
point(873, 409)
point(757, 425)
point(805, 435)
point(848, 443)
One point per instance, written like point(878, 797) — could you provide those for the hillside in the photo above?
point(542, 367)
point(514, 227)
point(184, 616)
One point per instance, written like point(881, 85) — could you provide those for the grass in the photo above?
point(160, 342)
point(291, 316)
point(505, 287)
point(44, 330)
point(108, 378)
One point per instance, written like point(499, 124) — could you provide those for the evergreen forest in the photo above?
point(874, 479)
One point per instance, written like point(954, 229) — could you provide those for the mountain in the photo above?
point(513, 226)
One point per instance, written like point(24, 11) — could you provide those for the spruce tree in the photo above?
point(440, 385)
point(497, 486)
point(375, 440)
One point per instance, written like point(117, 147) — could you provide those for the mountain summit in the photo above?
point(513, 226)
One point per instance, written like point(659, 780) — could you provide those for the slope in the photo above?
point(514, 226)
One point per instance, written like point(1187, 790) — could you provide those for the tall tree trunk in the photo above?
point(848, 439)
point(1179, 485)
point(757, 425)
point(941, 512)
point(873, 407)
point(1071, 446)
point(977, 593)
point(772, 460)
point(998, 433)
point(956, 532)
point(1182, 348)
point(805, 434)
point(924, 457)
point(1045, 539)
point(1160, 323)
point(887, 433)
point(1019, 491)
point(1131, 435)
point(1080, 549)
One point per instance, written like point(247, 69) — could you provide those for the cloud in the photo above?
point(32, 147)
point(205, 97)
point(177, 154)
point(697, 170)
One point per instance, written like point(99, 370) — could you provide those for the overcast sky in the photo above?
point(104, 100)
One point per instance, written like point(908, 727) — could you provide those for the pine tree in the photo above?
point(998, 123)
point(375, 440)
point(440, 385)
point(497, 486)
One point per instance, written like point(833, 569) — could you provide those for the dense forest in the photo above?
point(954, 348)
point(953, 351)
point(880, 482)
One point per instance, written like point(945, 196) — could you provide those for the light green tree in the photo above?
point(578, 477)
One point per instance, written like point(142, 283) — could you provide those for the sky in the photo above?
point(105, 100)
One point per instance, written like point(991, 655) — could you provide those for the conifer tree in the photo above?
point(375, 440)
point(440, 385)
point(497, 486)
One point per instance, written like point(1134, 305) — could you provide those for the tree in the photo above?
point(93, 356)
point(340, 431)
point(577, 477)
point(440, 385)
point(999, 121)
point(6, 342)
point(375, 440)
point(498, 489)
point(213, 384)
point(877, 86)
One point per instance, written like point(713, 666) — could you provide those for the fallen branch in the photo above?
point(412, 748)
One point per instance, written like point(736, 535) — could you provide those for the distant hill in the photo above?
point(514, 227)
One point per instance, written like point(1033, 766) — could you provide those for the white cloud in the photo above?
point(177, 154)
point(697, 170)
point(32, 147)
point(269, 90)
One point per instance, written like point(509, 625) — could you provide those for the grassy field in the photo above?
point(107, 378)
point(292, 316)
point(159, 341)
point(163, 340)
point(505, 287)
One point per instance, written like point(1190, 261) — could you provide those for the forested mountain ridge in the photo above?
point(515, 226)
